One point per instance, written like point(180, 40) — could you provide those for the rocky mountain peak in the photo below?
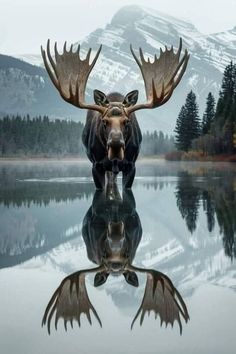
point(150, 20)
point(127, 15)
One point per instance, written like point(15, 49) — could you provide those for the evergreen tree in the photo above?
point(181, 131)
point(188, 199)
point(227, 94)
point(209, 114)
point(225, 118)
point(188, 124)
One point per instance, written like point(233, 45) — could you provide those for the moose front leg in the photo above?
point(128, 174)
point(98, 175)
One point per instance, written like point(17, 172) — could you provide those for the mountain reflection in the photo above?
point(217, 197)
point(112, 232)
point(28, 214)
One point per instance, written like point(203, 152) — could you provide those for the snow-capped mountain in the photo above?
point(117, 70)
point(149, 29)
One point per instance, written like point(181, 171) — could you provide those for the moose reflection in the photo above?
point(112, 231)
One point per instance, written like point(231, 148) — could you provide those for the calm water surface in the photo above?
point(184, 225)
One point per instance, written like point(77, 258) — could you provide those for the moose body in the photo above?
point(125, 140)
point(111, 135)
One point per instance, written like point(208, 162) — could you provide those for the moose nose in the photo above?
point(116, 266)
point(115, 139)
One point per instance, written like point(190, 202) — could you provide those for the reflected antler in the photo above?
point(161, 297)
point(160, 77)
point(69, 73)
point(70, 300)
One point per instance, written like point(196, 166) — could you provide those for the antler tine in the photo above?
point(166, 70)
point(180, 48)
point(65, 325)
point(57, 55)
point(184, 307)
point(141, 56)
point(64, 48)
point(136, 316)
point(51, 302)
point(71, 323)
point(89, 318)
point(88, 54)
point(162, 297)
point(135, 57)
point(96, 57)
point(70, 300)
point(50, 57)
point(50, 72)
point(96, 315)
point(50, 318)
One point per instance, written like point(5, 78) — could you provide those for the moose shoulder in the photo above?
point(112, 135)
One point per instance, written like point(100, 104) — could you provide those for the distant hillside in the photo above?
point(7, 62)
point(26, 88)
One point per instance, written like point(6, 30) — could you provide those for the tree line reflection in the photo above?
point(42, 193)
point(217, 197)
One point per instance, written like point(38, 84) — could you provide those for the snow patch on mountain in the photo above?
point(166, 252)
point(34, 59)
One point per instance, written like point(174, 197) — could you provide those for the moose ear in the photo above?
point(131, 278)
point(100, 98)
point(131, 98)
point(100, 278)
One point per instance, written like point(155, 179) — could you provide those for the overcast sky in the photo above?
point(25, 24)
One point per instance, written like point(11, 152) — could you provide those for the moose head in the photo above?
point(69, 73)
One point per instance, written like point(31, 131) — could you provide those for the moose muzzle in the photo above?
point(115, 145)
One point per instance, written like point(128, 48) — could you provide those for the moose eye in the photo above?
point(104, 122)
point(127, 123)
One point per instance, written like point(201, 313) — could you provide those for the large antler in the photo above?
point(161, 297)
point(160, 77)
point(69, 73)
point(70, 300)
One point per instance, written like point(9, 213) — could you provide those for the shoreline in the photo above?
point(68, 160)
point(153, 159)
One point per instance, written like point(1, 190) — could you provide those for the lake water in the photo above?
point(183, 225)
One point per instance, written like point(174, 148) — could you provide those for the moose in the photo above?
point(112, 231)
point(111, 135)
